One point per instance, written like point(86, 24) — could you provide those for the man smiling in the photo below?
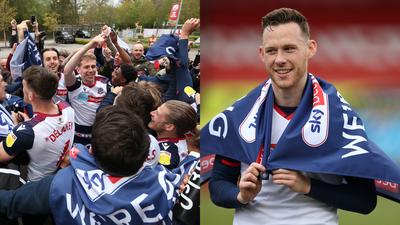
point(86, 91)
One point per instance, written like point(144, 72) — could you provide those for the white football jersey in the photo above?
point(277, 204)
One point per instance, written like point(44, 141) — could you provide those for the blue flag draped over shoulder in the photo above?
point(83, 194)
point(25, 55)
point(325, 135)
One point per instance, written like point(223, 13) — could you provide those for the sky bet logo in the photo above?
point(315, 131)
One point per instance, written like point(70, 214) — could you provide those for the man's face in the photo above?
point(118, 60)
point(3, 85)
point(137, 51)
point(140, 73)
point(158, 121)
point(117, 78)
point(3, 66)
point(88, 71)
point(285, 54)
point(50, 61)
point(61, 59)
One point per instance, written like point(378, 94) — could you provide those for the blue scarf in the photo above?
point(82, 193)
point(325, 135)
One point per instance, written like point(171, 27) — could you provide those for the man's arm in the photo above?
point(4, 157)
point(18, 140)
point(21, 27)
point(223, 182)
point(74, 61)
point(124, 56)
point(31, 198)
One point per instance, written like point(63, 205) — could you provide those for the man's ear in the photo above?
point(169, 127)
point(312, 48)
point(78, 70)
point(261, 53)
point(90, 150)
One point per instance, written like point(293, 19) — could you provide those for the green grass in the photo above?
point(386, 213)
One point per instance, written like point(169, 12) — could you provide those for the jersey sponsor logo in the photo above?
point(95, 99)
point(62, 92)
point(100, 91)
point(87, 98)
point(189, 91)
point(165, 158)
point(11, 138)
point(57, 133)
point(97, 183)
point(83, 97)
point(315, 131)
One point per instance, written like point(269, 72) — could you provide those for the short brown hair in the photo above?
point(87, 56)
point(120, 141)
point(156, 92)
point(41, 81)
point(137, 100)
point(64, 53)
point(286, 15)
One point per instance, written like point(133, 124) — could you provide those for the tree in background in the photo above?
point(50, 21)
point(7, 14)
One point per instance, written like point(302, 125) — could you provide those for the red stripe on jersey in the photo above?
point(230, 163)
point(280, 112)
point(95, 99)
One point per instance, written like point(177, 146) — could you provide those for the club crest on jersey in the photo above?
point(165, 158)
point(11, 138)
point(100, 91)
point(97, 183)
point(60, 121)
point(315, 131)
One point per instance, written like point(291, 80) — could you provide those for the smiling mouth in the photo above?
point(283, 71)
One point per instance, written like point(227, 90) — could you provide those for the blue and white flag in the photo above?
point(121, 43)
point(325, 135)
point(25, 55)
point(166, 45)
point(83, 194)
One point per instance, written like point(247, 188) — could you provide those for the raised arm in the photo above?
point(124, 56)
point(21, 27)
point(69, 74)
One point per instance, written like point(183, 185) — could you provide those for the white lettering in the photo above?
point(217, 133)
point(189, 201)
point(357, 150)
point(166, 185)
point(142, 211)
point(76, 210)
point(353, 125)
point(125, 220)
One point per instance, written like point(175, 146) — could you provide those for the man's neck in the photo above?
point(48, 108)
point(290, 97)
point(165, 135)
